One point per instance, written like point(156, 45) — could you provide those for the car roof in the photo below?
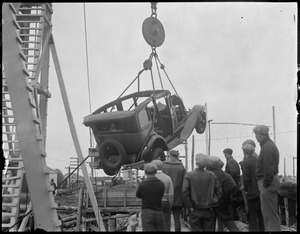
point(147, 93)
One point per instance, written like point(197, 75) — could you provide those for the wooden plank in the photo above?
point(286, 210)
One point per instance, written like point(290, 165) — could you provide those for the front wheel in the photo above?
point(201, 123)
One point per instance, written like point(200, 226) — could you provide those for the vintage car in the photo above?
point(140, 127)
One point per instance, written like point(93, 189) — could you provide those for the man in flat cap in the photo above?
point(224, 216)
point(268, 180)
point(255, 218)
point(232, 167)
point(151, 191)
point(201, 192)
point(174, 168)
point(167, 199)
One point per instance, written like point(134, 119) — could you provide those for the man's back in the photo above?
point(176, 171)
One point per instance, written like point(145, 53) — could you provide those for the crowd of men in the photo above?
point(212, 196)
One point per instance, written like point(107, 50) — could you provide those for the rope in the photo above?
point(163, 67)
point(87, 70)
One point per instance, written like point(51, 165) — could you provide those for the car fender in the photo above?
point(154, 141)
point(191, 121)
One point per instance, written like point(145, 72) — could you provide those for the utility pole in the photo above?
point(74, 162)
point(69, 169)
point(209, 136)
point(274, 129)
point(193, 151)
point(186, 156)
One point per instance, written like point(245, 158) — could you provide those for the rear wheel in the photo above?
point(112, 154)
point(110, 172)
point(157, 153)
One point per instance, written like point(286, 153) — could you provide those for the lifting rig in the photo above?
point(27, 42)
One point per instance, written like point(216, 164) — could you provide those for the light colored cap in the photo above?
point(249, 141)
point(150, 168)
point(214, 161)
point(201, 160)
point(174, 153)
point(157, 163)
point(248, 148)
point(261, 129)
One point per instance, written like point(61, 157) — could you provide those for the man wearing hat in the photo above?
point(224, 216)
point(232, 167)
point(167, 199)
point(151, 191)
point(268, 180)
point(174, 168)
point(255, 218)
point(201, 192)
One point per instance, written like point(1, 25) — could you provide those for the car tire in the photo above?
point(112, 154)
point(110, 172)
point(201, 123)
point(157, 153)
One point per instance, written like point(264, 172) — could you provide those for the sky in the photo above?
point(240, 59)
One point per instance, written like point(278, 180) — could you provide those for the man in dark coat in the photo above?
point(268, 180)
point(174, 168)
point(201, 191)
point(232, 167)
point(151, 191)
point(255, 218)
point(228, 186)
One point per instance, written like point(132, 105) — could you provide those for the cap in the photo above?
point(150, 168)
point(201, 160)
point(249, 141)
point(248, 148)
point(174, 153)
point(261, 129)
point(228, 151)
point(214, 161)
point(157, 163)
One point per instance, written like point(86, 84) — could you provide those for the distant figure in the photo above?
point(232, 167)
point(174, 168)
point(151, 191)
point(255, 218)
point(53, 186)
point(268, 180)
point(167, 199)
point(201, 191)
point(228, 186)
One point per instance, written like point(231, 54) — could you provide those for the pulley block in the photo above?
point(153, 32)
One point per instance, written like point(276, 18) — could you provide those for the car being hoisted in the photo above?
point(139, 127)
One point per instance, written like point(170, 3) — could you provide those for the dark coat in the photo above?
point(232, 168)
point(201, 189)
point(249, 177)
point(176, 171)
point(151, 191)
point(268, 160)
point(227, 184)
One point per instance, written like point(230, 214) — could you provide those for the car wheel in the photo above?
point(157, 153)
point(201, 123)
point(110, 172)
point(112, 154)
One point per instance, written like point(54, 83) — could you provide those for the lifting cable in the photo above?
point(88, 73)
